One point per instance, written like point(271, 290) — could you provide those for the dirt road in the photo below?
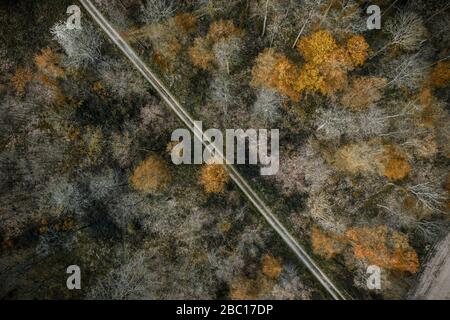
point(434, 282)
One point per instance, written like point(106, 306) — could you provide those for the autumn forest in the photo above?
point(85, 149)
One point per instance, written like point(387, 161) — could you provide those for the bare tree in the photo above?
point(336, 122)
point(290, 286)
point(115, 11)
point(213, 8)
point(82, 46)
point(310, 11)
point(121, 147)
point(226, 267)
point(227, 53)
point(303, 171)
point(275, 16)
point(104, 185)
point(320, 209)
point(429, 196)
point(267, 105)
point(252, 240)
point(154, 11)
point(65, 196)
point(6, 64)
point(407, 71)
point(131, 280)
point(345, 18)
point(121, 79)
point(125, 209)
point(223, 92)
point(397, 216)
point(163, 217)
point(406, 30)
point(191, 231)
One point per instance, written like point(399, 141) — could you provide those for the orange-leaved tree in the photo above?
point(393, 163)
point(201, 53)
point(271, 267)
point(151, 175)
point(243, 288)
point(363, 92)
point(48, 62)
point(222, 30)
point(185, 22)
point(385, 248)
point(377, 245)
point(326, 245)
point(20, 79)
point(274, 70)
point(440, 75)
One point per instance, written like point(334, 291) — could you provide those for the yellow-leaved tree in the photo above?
point(357, 49)
point(327, 62)
point(213, 178)
point(324, 71)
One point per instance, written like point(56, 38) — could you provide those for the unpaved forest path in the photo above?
point(434, 282)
